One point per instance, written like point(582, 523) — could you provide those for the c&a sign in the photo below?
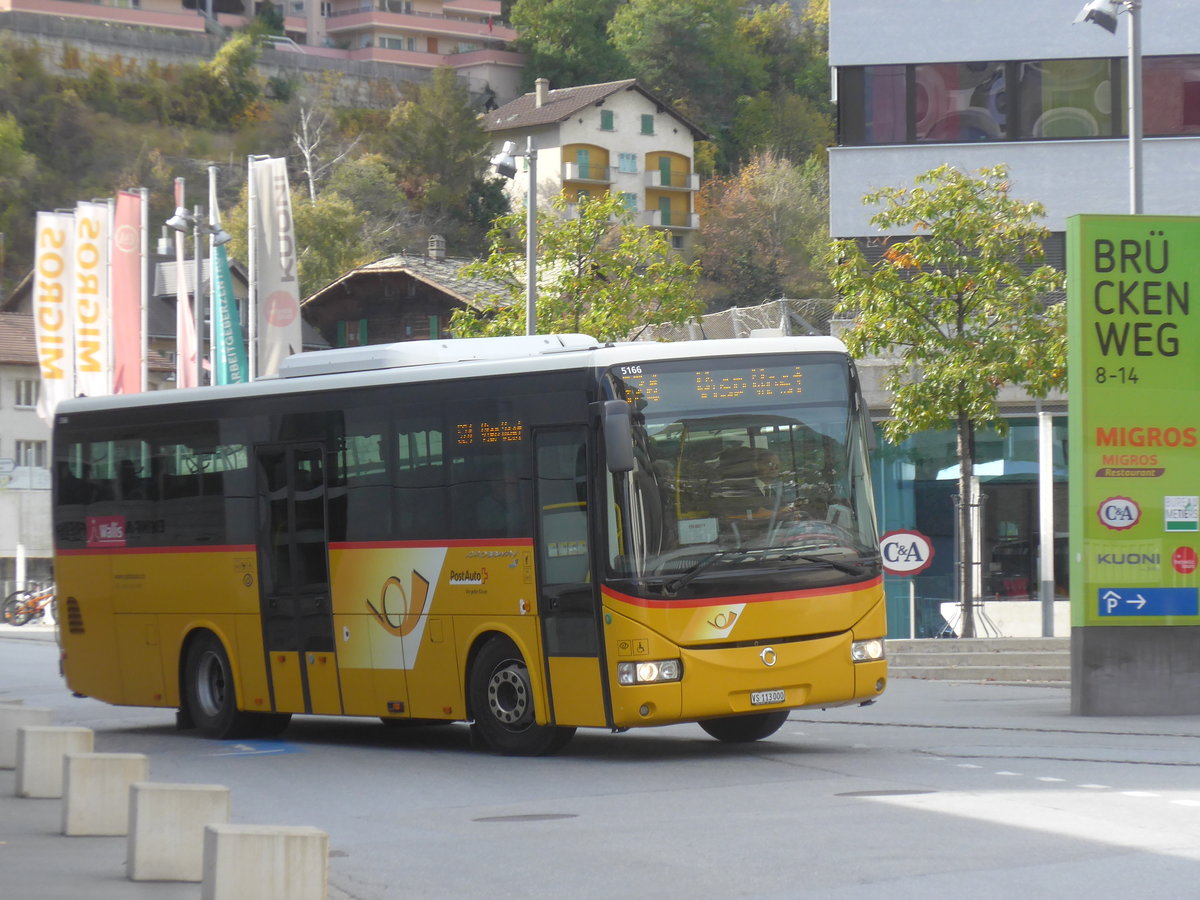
point(905, 552)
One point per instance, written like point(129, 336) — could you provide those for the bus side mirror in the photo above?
point(617, 422)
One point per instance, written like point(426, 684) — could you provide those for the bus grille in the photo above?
point(74, 616)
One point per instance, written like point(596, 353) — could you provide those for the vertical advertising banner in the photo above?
point(53, 317)
point(1134, 381)
point(127, 294)
point(93, 351)
point(278, 293)
point(229, 349)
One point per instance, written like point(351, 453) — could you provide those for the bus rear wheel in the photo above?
point(743, 729)
point(212, 698)
point(501, 698)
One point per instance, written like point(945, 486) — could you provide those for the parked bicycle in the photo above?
point(27, 605)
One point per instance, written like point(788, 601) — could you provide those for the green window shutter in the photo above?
point(341, 334)
point(664, 210)
point(434, 330)
point(647, 124)
point(664, 169)
point(362, 332)
point(606, 119)
point(581, 160)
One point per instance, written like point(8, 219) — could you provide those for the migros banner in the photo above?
point(1134, 382)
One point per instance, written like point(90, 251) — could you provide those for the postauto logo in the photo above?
point(1119, 513)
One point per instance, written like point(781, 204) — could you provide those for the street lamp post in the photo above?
point(505, 163)
point(184, 221)
point(1104, 13)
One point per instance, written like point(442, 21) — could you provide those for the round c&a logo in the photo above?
point(1119, 513)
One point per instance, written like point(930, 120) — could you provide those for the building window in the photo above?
point(629, 201)
point(435, 330)
point(1049, 99)
point(627, 162)
point(960, 102)
point(1067, 98)
point(647, 124)
point(31, 454)
point(1171, 87)
point(26, 393)
point(677, 242)
point(606, 120)
point(352, 333)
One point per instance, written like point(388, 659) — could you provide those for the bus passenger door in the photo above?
point(293, 565)
point(567, 592)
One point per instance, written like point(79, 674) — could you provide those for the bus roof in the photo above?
point(419, 361)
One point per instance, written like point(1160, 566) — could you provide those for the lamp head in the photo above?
point(221, 237)
point(181, 221)
point(1102, 12)
point(504, 162)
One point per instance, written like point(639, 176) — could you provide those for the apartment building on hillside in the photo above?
point(467, 35)
point(612, 137)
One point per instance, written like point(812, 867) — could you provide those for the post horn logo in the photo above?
point(398, 611)
point(768, 656)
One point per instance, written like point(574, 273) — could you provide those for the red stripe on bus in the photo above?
point(465, 542)
point(125, 551)
point(747, 598)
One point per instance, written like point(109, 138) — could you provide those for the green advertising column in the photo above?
point(1134, 382)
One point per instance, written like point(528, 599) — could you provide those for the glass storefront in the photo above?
point(916, 485)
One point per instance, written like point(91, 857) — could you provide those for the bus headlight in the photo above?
point(867, 651)
point(649, 671)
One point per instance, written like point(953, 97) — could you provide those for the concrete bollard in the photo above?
point(96, 791)
point(40, 752)
point(12, 717)
point(267, 862)
point(166, 829)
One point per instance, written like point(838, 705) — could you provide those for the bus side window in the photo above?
point(418, 495)
point(562, 502)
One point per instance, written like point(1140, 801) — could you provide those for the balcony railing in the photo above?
point(676, 180)
point(576, 172)
point(656, 218)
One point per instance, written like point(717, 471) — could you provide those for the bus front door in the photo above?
point(294, 593)
point(567, 592)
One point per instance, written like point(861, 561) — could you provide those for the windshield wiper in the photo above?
point(848, 568)
point(672, 588)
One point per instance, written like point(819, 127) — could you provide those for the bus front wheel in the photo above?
point(212, 698)
point(743, 729)
point(501, 697)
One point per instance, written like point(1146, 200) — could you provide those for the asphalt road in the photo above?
point(942, 789)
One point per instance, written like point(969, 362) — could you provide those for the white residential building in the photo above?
point(614, 137)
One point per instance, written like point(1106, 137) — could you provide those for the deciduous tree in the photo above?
point(961, 300)
point(597, 274)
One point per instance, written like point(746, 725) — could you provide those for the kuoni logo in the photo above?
point(1119, 513)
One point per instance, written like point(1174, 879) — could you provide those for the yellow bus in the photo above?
point(529, 534)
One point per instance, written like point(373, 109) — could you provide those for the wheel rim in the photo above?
point(210, 684)
point(508, 696)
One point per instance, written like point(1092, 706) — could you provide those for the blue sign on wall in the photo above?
point(1125, 601)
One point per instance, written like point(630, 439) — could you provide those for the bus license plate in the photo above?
point(762, 698)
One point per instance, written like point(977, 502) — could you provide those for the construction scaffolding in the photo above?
point(775, 317)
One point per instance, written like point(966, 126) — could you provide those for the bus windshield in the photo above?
point(750, 475)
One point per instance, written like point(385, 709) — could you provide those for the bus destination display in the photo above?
point(758, 383)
